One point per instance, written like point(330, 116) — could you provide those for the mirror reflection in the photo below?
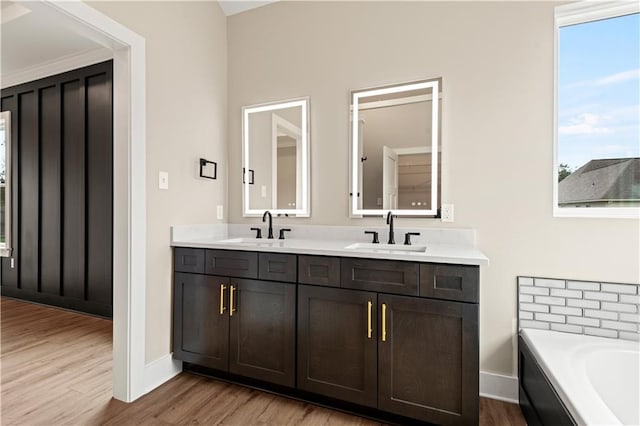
point(5, 188)
point(396, 149)
point(275, 158)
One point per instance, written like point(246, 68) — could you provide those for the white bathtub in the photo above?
point(598, 379)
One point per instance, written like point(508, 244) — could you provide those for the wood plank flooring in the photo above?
point(55, 369)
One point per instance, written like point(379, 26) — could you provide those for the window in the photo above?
point(5, 183)
point(597, 88)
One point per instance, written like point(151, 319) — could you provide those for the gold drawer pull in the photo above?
point(369, 329)
point(231, 308)
point(384, 322)
point(222, 289)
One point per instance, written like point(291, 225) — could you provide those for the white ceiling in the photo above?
point(231, 7)
point(33, 36)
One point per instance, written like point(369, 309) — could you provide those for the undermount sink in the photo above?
point(387, 248)
point(254, 242)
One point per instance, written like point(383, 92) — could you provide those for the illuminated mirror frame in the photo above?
point(303, 210)
point(434, 85)
point(5, 248)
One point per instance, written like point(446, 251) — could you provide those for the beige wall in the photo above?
point(496, 61)
point(186, 119)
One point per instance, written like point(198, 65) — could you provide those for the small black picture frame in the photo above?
point(251, 176)
point(203, 169)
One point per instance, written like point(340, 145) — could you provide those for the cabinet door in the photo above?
point(262, 324)
point(201, 331)
point(428, 359)
point(336, 351)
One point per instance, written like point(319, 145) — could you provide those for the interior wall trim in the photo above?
point(161, 370)
point(129, 188)
point(498, 386)
point(58, 66)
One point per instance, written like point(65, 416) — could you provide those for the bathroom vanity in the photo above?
point(387, 334)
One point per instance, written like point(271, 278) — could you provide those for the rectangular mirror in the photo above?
point(395, 156)
point(5, 184)
point(275, 158)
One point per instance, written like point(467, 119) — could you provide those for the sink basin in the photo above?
point(386, 248)
point(254, 242)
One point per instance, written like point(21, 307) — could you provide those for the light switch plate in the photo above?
point(447, 212)
point(163, 180)
point(219, 212)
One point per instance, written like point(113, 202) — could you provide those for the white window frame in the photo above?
point(571, 14)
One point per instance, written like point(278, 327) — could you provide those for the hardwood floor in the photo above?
point(55, 369)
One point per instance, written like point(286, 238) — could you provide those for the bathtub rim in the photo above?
point(557, 354)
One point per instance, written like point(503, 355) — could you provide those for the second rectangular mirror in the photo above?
point(275, 152)
point(395, 158)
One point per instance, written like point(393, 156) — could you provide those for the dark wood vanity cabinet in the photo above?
point(243, 326)
point(337, 344)
point(200, 333)
point(262, 331)
point(428, 359)
point(396, 337)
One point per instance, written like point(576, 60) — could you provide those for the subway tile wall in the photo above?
point(581, 307)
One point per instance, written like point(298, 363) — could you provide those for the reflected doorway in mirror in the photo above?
point(396, 149)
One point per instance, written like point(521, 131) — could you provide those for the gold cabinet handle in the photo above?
point(231, 308)
point(384, 322)
point(222, 289)
point(369, 329)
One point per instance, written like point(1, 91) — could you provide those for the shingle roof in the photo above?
point(598, 180)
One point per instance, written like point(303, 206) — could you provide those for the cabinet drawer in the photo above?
point(319, 270)
point(277, 267)
point(450, 282)
point(188, 260)
point(229, 263)
point(384, 276)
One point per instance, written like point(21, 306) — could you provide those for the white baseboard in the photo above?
point(159, 371)
point(498, 386)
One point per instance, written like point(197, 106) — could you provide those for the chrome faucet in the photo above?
point(390, 223)
point(264, 219)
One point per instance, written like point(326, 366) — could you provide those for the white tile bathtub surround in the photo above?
point(581, 285)
point(550, 317)
point(601, 332)
point(575, 294)
point(611, 297)
point(534, 324)
point(592, 313)
point(526, 298)
point(625, 298)
point(524, 315)
point(629, 336)
point(580, 307)
point(630, 317)
point(550, 300)
point(619, 288)
point(567, 328)
point(543, 282)
point(591, 322)
point(534, 290)
point(533, 307)
point(580, 303)
point(563, 310)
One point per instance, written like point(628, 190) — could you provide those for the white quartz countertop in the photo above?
point(436, 252)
